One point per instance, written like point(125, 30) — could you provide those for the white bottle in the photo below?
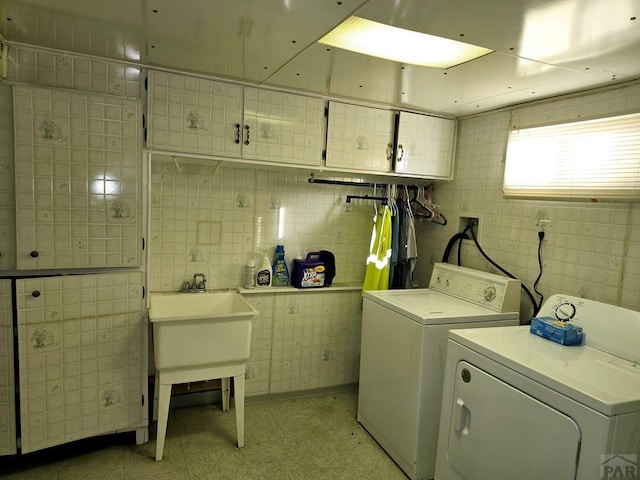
point(264, 273)
point(249, 274)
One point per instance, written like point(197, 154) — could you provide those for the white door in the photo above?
point(194, 115)
point(500, 433)
point(78, 179)
point(359, 138)
point(282, 127)
point(425, 145)
point(7, 384)
point(81, 359)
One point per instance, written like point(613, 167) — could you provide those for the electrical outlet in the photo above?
point(543, 225)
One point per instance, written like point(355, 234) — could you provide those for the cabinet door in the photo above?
point(81, 357)
point(78, 179)
point(359, 138)
point(425, 146)
point(282, 127)
point(7, 179)
point(193, 115)
point(7, 382)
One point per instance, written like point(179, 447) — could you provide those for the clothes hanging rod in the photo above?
point(346, 183)
point(366, 197)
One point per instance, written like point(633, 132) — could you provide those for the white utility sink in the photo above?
point(199, 329)
point(199, 336)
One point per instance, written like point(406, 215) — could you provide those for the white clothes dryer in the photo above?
point(516, 405)
point(404, 336)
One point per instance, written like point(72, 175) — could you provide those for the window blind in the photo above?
point(586, 159)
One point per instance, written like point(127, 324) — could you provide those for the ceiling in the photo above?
point(542, 47)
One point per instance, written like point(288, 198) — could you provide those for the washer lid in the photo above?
point(429, 307)
point(599, 380)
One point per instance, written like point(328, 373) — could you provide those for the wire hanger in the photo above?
point(427, 197)
point(419, 209)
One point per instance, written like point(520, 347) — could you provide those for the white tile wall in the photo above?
point(211, 219)
point(81, 363)
point(59, 69)
point(591, 250)
point(7, 387)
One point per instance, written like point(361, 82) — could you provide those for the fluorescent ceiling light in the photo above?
point(405, 46)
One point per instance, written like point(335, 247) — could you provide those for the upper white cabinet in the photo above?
point(195, 115)
point(191, 115)
point(374, 140)
point(78, 179)
point(360, 138)
point(282, 127)
point(425, 146)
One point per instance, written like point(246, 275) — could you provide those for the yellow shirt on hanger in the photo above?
point(377, 270)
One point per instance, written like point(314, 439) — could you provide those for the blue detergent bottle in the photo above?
point(280, 269)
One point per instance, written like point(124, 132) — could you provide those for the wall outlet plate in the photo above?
point(543, 225)
point(470, 219)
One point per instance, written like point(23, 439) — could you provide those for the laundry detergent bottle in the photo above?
point(280, 269)
point(264, 274)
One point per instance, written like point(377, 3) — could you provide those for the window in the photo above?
point(595, 159)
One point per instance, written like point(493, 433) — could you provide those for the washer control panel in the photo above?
point(498, 293)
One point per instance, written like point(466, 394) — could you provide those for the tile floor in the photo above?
point(298, 439)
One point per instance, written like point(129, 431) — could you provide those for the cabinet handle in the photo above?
point(246, 127)
point(389, 151)
point(35, 293)
point(401, 153)
point(237, 133)
point(34, 254)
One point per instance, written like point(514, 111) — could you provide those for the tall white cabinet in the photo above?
point(82, 357)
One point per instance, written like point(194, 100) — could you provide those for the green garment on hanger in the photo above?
point(377, 271)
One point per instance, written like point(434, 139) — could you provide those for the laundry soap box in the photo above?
point(310, 272)
point(557, 331)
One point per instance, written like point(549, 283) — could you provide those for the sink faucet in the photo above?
point(197, 285)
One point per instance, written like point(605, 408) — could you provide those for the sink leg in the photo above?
point(225, 393)
point(156, 386)
point(164, 398)
point(238, 383)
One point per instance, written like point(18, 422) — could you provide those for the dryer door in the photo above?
point(500, 433)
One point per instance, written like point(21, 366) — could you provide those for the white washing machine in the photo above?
point(404, 337)
point(519, 406)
